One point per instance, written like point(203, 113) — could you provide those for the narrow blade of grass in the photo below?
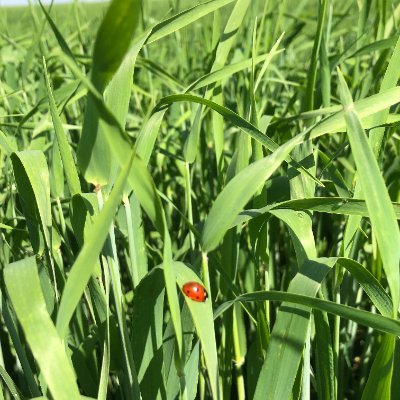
point(378, 202)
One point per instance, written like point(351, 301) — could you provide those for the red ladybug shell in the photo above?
point(195, 291)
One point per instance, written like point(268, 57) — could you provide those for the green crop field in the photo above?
point(200, 200)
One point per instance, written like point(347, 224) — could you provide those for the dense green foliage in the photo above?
point(251, 146)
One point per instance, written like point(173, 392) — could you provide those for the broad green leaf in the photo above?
point(23, 286)
point(116, 97)
point(113, 39)
point(56, 171)
point(112, 43)
point(173, 301)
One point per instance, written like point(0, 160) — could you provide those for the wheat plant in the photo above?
point(200, 200)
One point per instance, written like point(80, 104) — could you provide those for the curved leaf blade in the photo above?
point(237, 193)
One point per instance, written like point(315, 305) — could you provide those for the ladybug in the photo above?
point(195, 291)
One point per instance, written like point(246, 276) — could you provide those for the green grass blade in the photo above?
point(6, 144)
point(237, 193)
point(331, 205)
point(147, 333)
point(8, 382)
point(390, 80)
point(381, 374)
point(137, 246)
point(86, 261)
point(312, 70)
point(370, 284)
point(113, 40)
point(17, 340)
point(375, 321)
point(60, 39)
point(185, 18)
point(238, 121)
point(173, 301)
point(229, 70)
point(69, 165)
point(23, 286)
point(376, 137)
point(364, 108)
point(378, 202)
point(288, 337)
point(192, 142)
point(139, 177)
point(324, 357)
point(226, 41)
point(148, 135)
point(301, 232)
point(112, 43)
point(32, 177)
point(67, 93)
point(202, 316)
